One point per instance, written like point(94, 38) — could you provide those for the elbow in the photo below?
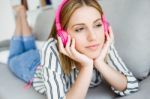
point(129, 87)
point(123, 84)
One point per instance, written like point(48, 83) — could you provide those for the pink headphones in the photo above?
point(62, 33)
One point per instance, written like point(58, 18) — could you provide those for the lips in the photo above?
point(93, 47)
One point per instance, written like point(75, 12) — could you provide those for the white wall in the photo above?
point(55, 3)
point(7, 22)
point(15, 2)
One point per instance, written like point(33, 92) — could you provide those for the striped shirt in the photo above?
point(50, 79)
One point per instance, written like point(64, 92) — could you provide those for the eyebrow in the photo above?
point(83, 23)
point(97, 20)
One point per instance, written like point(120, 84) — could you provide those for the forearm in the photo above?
point(113, 77)
point(81, 85)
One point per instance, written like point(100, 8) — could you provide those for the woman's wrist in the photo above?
point(87, 70)
point(99, 65)
point(87, 65)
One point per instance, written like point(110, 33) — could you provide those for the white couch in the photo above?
point(130, 20)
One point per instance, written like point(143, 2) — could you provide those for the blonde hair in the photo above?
point(66, 12)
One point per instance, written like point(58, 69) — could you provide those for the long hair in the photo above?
point(66, 12)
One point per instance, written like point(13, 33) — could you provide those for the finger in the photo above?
point(73, 46)
point(107, 37)
point(105, 49)
point(73, 43)
point(67, 48)
point(111, 33)
point(106, 44)
point(73, 50)
point(61, 46)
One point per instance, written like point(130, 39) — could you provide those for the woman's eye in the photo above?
point(79, 29)
point(99, 25)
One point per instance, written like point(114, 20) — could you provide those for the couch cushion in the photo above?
point(4, 56)
point(4, 44)
point(43, 24)
point(130, 20)
point(100, 92)
point(13, 88)
point(143, 92)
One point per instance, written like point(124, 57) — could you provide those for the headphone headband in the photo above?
point(57, 17)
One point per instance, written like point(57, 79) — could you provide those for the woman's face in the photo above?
point(85, 25)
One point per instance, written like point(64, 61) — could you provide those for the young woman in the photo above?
point(71, 64)
point(23, 57)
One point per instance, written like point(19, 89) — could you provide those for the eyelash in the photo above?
point(79, 29)
point(99, 25)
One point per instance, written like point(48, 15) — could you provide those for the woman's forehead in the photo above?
point(85, 14)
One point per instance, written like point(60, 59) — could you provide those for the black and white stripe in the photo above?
point(51, 80)
point(115, 60)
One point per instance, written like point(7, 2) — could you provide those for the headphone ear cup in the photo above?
point(64, 36)
point(105, 24)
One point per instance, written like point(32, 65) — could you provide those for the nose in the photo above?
point(91, 35)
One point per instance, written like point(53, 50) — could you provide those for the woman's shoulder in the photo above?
point(51, 42)
point(50, 56)
point(50, 46)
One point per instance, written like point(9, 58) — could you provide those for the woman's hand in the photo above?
point(70, 51)
point(101, 58)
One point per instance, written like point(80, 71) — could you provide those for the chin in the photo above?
point(93, 55)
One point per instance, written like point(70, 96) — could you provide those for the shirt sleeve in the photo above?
point(117, 63)
point(48, 78)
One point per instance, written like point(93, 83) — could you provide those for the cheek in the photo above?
point(101, 37)
point(78, 39)
point(79, 45)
